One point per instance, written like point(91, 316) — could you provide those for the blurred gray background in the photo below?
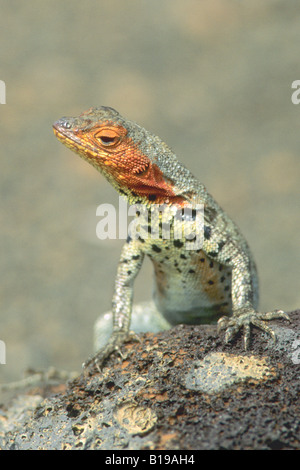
point(211, 77)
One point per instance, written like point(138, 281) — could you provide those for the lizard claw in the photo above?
point(244, 319)
point(114, 345)
point(133, 336)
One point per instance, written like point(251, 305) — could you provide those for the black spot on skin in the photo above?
point(129, 272)
point(179, 270)
point(220, 245)
point(213, 254)
point(227, 288)
point(167, 257)
point(125, 261)
point(222, 279)
point(156, 248)
point(207, 232)
point(135, 256)
point(211, 264)
point(178, 244)
point(152, 197)
point(210, 282)
point(192, 271)
point(202, 260)
point(138, 201)
point(182, 256)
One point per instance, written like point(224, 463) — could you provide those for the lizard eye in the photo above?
point(107, 137)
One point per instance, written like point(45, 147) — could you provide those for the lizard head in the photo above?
point(138, 164)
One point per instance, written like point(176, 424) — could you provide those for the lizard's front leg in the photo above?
point(244, 315)
point(130, 263)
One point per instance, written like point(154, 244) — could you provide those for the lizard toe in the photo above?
point(244, 319)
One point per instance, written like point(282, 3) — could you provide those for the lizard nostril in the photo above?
point(64, 123)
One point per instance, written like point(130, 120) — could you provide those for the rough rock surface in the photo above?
point(179, 389)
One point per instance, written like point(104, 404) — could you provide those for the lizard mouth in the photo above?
point(63, 131)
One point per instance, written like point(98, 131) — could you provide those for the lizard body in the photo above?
point(218, 280)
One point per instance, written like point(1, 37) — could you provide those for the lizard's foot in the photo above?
point(244, 318)
point(113, 345)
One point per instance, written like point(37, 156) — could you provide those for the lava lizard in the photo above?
point(216, 281)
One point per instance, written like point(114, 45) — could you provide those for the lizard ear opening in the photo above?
point(107, 137)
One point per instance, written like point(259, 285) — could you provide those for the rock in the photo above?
point(177, 389)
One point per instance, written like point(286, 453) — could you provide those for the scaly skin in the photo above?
point(191, 286)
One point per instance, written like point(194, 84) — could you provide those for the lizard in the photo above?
point(217, 281)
